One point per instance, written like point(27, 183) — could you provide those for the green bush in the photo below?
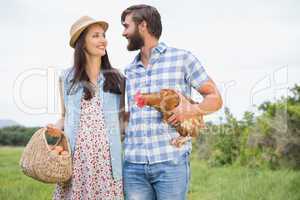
point(270, 140)
point(16, 135)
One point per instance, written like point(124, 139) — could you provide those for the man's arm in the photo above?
point(212, 99)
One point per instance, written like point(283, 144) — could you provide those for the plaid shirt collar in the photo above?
point(159, 49)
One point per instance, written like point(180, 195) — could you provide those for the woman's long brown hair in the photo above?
point(113, 78)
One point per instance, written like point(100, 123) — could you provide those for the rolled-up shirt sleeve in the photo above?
point(195, 73)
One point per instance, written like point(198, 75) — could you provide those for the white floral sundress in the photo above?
point(92, 171)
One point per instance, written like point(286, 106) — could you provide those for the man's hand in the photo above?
point(179, 141)
point(212, 101)
point(185, 110)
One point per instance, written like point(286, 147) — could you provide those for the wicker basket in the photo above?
point(40, 163)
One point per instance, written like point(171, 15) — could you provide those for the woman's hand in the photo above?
point(53, 131)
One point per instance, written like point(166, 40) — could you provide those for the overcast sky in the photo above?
point(249, 48)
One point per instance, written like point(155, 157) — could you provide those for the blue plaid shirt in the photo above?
point(147, 138)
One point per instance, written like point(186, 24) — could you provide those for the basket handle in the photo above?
point(59, 139)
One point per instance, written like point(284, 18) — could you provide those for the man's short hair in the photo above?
point(146, 13)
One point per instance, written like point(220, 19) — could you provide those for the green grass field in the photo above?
point(225, 183)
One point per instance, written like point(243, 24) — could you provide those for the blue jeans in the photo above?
point(160, 181)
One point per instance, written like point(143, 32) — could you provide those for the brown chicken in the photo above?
point(165, 101)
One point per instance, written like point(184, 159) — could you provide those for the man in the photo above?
point(154, 168)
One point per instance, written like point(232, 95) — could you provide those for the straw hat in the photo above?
point(80, 25)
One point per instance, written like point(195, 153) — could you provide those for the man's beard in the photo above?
point(136, 41)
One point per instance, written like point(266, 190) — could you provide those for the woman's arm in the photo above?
point(123, 116)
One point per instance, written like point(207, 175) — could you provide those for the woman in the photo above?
point(91, 92)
